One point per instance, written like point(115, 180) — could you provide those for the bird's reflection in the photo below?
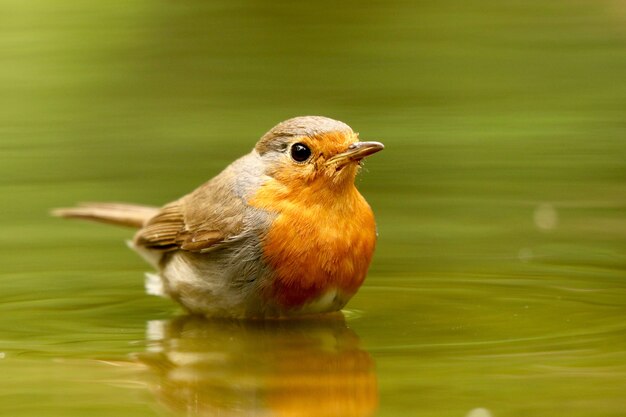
point(241, 368)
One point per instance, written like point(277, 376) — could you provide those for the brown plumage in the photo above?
point(281, 231)
point(121, 214)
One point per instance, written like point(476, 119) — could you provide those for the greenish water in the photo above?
point(499, 283)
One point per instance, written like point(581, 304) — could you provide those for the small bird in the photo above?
point(280, 232)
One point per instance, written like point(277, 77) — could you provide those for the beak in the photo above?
point(356, 152)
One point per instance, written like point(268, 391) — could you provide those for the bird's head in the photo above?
point(313, 149)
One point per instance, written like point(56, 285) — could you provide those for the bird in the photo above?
point(280, 232)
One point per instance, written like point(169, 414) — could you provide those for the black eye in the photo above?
point(300, 152)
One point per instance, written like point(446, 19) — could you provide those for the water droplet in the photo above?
point(525, 254)
point(546, 217)
point(479, 412)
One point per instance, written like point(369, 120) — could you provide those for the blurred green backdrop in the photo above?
point(499, 282)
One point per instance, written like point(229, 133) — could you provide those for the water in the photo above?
point(498, 286)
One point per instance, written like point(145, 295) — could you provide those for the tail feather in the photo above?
point(121, 214)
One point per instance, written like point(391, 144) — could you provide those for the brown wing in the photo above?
point(162, 231)
point(197, 222)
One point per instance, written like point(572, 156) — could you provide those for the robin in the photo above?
point(282, 231)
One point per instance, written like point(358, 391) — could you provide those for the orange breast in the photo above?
point(320, 240)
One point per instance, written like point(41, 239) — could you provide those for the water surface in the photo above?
point(498, 287)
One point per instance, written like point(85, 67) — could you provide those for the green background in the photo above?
point(499, 283)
